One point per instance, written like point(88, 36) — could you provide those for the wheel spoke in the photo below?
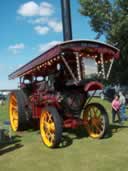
point(13, 98)
point(98, 130)
point(15, 118)
point(14, 108)
point(52, 126)
point(95, 118)
point(50, 136)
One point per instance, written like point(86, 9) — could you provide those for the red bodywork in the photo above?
point(87, 47)
point(93, 85)
point(46, 63)
point(37, 102)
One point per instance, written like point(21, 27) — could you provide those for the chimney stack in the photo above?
point(66, 20)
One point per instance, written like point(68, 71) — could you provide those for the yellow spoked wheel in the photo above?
point(50, 127)
point(17, 112)
point(13, 112)
point(96, 116)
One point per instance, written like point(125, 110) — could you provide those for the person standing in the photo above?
point(116, 109)
point(122, 107)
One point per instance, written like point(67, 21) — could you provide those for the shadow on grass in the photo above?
point(8, 145)
point(69, 135)
point(65, 141)
point(72, 134)
point(116, 128)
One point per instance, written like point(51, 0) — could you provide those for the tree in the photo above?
point(110, 18)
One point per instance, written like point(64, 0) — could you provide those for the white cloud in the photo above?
point(40, 14)
point(44, 47)
point(33, 9)
point(16, 48)
point(56, 26)
point(41, 30)
point(28, 9)
point(39, 20)
point(46, 9)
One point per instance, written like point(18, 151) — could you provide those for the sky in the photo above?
point(28, 28)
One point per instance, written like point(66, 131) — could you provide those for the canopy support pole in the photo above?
point(69, 69)
point(109, 70)
point(78, 66)
point(102, 65)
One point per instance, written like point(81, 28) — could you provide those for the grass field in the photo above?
point(76, 153)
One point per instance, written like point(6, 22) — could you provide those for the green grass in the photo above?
point(76, 154)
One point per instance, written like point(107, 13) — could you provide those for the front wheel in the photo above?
point(96, 119)
point(50, 127)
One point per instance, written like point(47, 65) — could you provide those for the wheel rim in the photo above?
point(13, 111)
point(47, 128)
point(96, 121)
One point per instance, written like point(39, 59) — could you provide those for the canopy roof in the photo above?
point(90, 46)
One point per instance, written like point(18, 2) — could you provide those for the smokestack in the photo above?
point(66, 19)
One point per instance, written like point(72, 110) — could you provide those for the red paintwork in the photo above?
point(87, 46)
point(39, 101)
point(74, 123)
point(93, 85)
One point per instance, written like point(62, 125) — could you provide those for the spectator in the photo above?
point(116, 109)
point(117, 87)
point(122, 107)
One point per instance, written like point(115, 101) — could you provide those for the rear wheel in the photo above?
point(96, 119)
point(17, 112)
point(50, 127)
